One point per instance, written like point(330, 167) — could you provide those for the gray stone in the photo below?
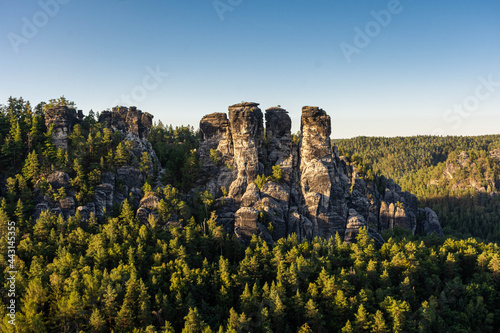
point(318, 187)
point(58, 179)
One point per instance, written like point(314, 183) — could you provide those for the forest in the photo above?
point(461, 188)
point(118, 274)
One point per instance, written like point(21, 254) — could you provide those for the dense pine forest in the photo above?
point(457, 177)
point(180, 271)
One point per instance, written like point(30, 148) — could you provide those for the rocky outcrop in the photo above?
point(323, 190)
point(470, 172)
point(495, 154)
point(53, 201)
point(62, 119)
point(128, 120)
point(58, 179)
point(354, 222)
point(124, 183)
point(276, 187)
point(278, 141)
point(247, 224)
point(429, 222)
point(216, 152)
point(247, 132)
point(148, 206)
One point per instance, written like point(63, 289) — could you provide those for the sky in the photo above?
point(378, 68)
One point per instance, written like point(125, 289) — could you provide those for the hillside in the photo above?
point(458, 177)
point(119, 224)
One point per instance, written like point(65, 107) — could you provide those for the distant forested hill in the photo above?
point(458, 177)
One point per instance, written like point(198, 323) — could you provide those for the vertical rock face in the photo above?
point(247, 132)
point(215, 135)
point(216, 152)
point(128, 120)
point(429, 222)
point(278, 144)
point(315, 127)
point(278, 135)
point(314, 191)
point(62, 119)
point(322, 188)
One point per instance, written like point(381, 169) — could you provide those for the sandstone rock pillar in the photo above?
point(247, 132)
point(323, 194)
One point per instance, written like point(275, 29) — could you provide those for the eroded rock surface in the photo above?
point(128, 120)
point(115, 187)
point(62, 119)
point(318, 192)
point(247, 132)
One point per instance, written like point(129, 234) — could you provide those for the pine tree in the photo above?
point(97, 322)
point(145, 163)
point(144, 306)
point(127, 215)
point(362, 322)
point(378, 323)
point(31, 169)
point(121, 155)
point(305, 329)
point(312, 314)
point(17, 144)
point(193, 322)
point(19, 213)
point(35, 136)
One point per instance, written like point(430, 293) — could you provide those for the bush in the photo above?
point(214, 156)
point(277, 172)
point(260, 181)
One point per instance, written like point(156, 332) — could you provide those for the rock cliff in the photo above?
point(275, 187)
point(115, 187)
point(265, 181)
point(128, 120)
point(62, 119)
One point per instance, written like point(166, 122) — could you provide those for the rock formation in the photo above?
point(115, 187)
point(62, 119)
point(479, 178)
point(247, 133)
point(265, 181)
point(315, 192)
point(128, 120)
point(216, 151)
point(322, 186)
point(495, 154)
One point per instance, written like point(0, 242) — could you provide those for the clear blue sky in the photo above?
point(406, 81)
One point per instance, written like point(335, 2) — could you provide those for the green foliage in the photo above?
point(465, 200)
point(124, 276)
point(260, 181)
point(214, 156)
point(145, 163)
point(224, 191)
point(277, 173)
point(176, 151)
point(181, 271)
point(61, 101)
point(296, 138)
